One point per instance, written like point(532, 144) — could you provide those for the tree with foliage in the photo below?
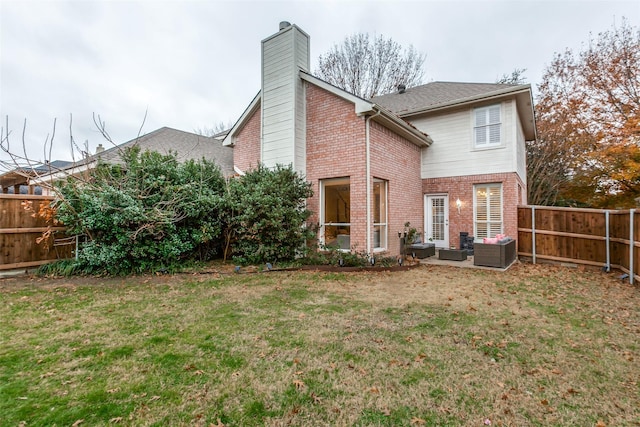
point(267, 215)
point(588, 117)
point(144, 214)
point(368, 67)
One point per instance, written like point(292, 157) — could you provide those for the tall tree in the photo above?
point(588, 116)
point(515, 78)
point(214, 130)
point(368, 67)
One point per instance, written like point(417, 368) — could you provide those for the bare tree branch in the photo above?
point(369, 67)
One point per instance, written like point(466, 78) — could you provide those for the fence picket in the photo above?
point(20, 227)
point(582, 236)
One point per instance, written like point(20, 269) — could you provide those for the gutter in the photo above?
point(510, 91)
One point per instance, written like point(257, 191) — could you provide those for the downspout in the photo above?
point(368, 173)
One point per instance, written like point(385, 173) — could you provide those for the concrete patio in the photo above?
point(468, 263)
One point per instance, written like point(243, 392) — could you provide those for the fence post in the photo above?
point(606, 221)
point(533, 233)
point(631, 245)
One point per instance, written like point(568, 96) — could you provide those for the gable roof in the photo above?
point(361, 107)
point(437, 93)
point(186, 145)
point(441, 95)
point(22, 175)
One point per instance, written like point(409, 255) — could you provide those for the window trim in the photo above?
point(475, 208)
point(384, 235)
point(488, 145)
point(322, 220)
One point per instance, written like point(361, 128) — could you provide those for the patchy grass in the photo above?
point(537, 345)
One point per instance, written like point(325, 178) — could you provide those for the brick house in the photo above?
point(446, 157)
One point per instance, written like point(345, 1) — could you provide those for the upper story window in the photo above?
point(487, 127)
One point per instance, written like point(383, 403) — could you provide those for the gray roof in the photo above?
point(54, 165)
point(432, 95)
point(186, 145)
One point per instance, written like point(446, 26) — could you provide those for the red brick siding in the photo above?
point(246, 152)
point(397, 161)
point(336, 148)
point(462, 187)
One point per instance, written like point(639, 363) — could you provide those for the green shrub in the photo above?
point(144, 214)
point(266, 215)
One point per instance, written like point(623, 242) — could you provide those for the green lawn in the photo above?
point(537, 345)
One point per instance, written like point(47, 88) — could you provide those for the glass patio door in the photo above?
point(436, 227)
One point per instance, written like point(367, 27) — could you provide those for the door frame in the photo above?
point(428, 217)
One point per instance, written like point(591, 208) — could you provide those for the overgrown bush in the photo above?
point(267, 214)
point(144, 214)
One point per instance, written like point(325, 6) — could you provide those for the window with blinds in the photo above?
point(487, 127)
point(488, 210)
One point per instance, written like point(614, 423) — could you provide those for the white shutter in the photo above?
point(488, 210)
point(494, 134)
point(494, 114)
point(487, 127)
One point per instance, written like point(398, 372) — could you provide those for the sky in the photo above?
point(141, 65)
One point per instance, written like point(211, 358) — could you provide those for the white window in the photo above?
point(487, 127)
point(335, 220)
point(379, 214)
point(488, 210)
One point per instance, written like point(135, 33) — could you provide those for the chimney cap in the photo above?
point(401, 88)
point(283, 25)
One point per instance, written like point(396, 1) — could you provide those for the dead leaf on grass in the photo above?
point(77, 423)
point(218, 424)
point(299, 384)
point(600, 423)
point(418, 421)
point(115, 420)
point(154, 398)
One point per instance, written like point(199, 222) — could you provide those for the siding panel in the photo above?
point(452, 152)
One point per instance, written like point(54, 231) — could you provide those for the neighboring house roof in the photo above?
point(444, 95)
point(21, 175)
point(186, 145)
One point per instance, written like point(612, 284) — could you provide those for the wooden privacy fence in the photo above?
point(21, 227)
point(603, 238)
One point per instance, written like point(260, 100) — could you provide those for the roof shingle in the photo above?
point(436, 93)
